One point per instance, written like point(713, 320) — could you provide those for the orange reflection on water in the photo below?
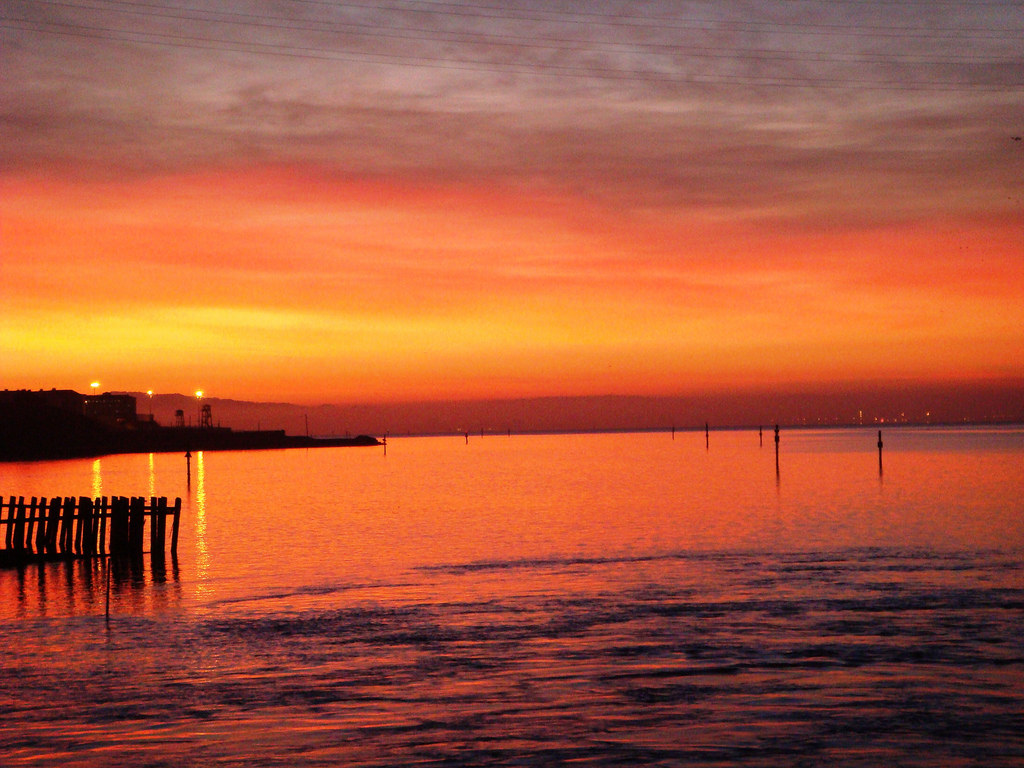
point(202, 549)
point(97, 478)
point(260, 523)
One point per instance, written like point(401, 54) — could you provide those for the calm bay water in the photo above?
point(538, 600)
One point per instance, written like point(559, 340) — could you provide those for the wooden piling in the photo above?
point(136, 523)
point(67, 526)
point(104, 508)
point(161, 525)
point(9, 532)
point(153, 525)
point(52, 525)
point(119, 525)
point(174, 527)
point(85, 525)
point(30, 527)
point(19, 526)
point(81, 527)
point(40, 543)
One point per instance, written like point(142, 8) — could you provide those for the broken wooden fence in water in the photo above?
point(66, 528)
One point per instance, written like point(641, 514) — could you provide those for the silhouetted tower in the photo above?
point(205, 417)
point(179, 418)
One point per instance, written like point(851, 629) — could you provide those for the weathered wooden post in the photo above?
point(118, 525)
point(161, 525)
point(67, 527)
point(52, 525)
point(82, 526)
point(85, 532)
point(19, 526)
point(136, 524)
point(174, 527)
point(154, 526)
point(94, 526)
point(8, 533)
point(41, 526)
point(12, 518)
point(30, 524)
point(104, 513)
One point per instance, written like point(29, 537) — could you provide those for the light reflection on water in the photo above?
point(97, 478)
point(596, 599)
point(202, 551)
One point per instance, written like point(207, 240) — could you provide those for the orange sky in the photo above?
point(412, 232)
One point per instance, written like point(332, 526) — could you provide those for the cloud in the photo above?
point(704, 105)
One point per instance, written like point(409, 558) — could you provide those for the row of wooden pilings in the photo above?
point(65, 527)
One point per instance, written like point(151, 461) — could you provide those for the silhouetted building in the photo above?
point(63, 399)
point(111, 409)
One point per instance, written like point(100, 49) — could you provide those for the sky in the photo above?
point(327, 202)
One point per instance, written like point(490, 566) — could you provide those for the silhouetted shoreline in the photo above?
point(37, 432)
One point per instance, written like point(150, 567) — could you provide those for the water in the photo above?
point(542, 600)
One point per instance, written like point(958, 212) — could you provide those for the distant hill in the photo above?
point(982, 402)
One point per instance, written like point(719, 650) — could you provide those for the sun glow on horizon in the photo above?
point(458, 293)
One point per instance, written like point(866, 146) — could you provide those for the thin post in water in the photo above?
point(879, 453)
